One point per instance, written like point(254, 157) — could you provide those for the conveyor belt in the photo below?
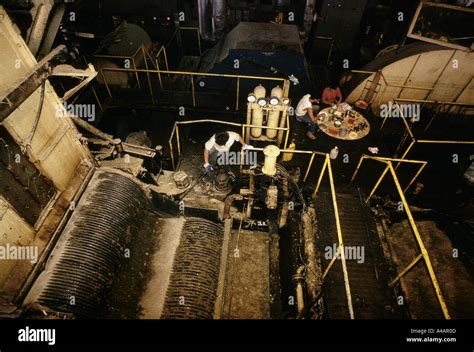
point(368, 281)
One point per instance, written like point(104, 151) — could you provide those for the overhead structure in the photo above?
point(417, 71)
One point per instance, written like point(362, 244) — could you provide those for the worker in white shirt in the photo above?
point(219, 144)
point(305, 113)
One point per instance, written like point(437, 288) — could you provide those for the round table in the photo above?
point(352, 127)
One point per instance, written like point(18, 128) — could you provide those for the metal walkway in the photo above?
point(367, 270)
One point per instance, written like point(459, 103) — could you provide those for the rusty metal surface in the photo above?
point(193, 283)
point(21, 184)
point(87, 258)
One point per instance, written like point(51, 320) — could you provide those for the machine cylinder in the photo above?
point(257, 111)
point(271, 153)
point(274, 115)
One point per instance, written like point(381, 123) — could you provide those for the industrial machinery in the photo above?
point(271, 111)
point(97, 226)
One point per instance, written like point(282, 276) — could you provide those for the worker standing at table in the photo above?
point(331, 95)
point(305, 113)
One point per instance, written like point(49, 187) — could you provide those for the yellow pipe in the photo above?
point(105, 82)
point(404, 121)
point(178, 144)
point(321, 174)
point(424, 252)
point(237, 95)
point(209, 120)
point(406, 270)
point(148, 76)
point(136, 73)
point(172, 155)
point(309, 167)
point(193, 73)
point(287, 131)
point(409, 87)
point(331, 263)
point(433, 102)
point(159, 74)
point(166, 58)
point(414, 177)
point(148, 55)
point(137, 51)
point(267, 127)
point(97, 98)
point(378, 182)
point(172, 133)
point(357, 168)
point(362, 71)
point(341, 243)
point(411, 161)
point(444, 142)
point(406, 152)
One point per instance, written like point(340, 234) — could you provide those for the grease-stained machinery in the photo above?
point(104, 217)
point(93, 226)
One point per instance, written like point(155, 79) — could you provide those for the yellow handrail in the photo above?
point(424, 253)
point(413, 138)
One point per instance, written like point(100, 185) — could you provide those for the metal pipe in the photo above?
point(309, 167)
point(206, 74)
point(378, 183)
point(357, 168)
point(341, 243)
point(136, 73)
point(415, 177)
point(321, 174)
point(148, 76)
point(219, 17)
point(406, 270)
point(204, 18)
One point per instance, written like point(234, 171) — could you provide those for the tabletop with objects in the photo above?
point(343, 122)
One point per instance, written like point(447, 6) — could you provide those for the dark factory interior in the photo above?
point(230, 159)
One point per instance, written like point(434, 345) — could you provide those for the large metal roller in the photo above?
point(93, 245)
point(191, 293)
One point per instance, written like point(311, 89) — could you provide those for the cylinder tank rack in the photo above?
point(276, 96)
point(257, 109)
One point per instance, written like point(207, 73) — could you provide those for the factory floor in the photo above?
point(452, 195)
point(455, 281)
point(247, 287)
